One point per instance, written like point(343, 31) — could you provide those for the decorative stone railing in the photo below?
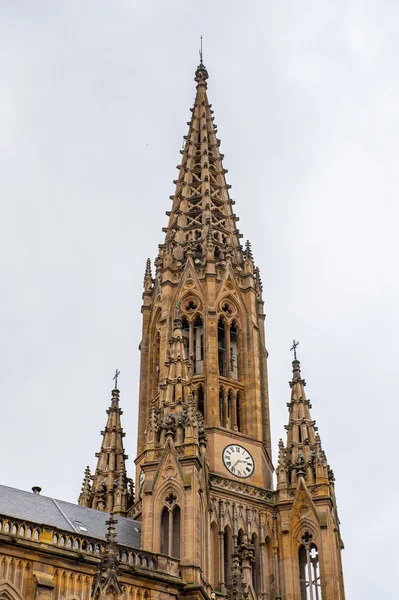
point(79, 544)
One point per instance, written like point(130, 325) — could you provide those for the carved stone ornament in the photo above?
point(106, 583)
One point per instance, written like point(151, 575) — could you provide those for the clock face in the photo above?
point(238, 461)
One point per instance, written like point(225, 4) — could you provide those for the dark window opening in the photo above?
point(222, 354)
point(234, 351)
point(229, 408)
point(221, 407)
point(185, 329)
point(238, 409)
point(176, 532)
point(165, 531)
point(201, 400)
point(198, 349)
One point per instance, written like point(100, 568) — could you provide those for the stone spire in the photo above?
point(107, 583)
point(201, 214)
point(110, 490)
point(303, 455)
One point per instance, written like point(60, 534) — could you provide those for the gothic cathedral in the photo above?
point(203, 519)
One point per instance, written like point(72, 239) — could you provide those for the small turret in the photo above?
point(110, 484)
point(303, 455)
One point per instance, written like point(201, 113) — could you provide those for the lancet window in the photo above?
point(222, 348)
point(214, 556)
point(230, 409)
point(309, 569)
point(185, 329)
point(170, 527)
point(227, 552)
point(193, 339)
point(221, 407)
point(238, 411)
point(201, 400)
point(234, 351)
point(198, 349)
point(255, 563)
point(228, 343)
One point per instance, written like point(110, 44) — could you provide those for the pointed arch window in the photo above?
point(165, 531)
point(198, 349)
point(230, 416)
point(234, 351)
point(227, 552)
point(201, 400)
point(255, 563)
point(309, 569)
point(176, 532)
point(222, 348)
point(193, 339)
point(238, 411)
point(185, 329)
point(221, 407)
point(170, 527)
point(214, 556)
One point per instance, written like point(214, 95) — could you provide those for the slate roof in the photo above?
point(65, 515)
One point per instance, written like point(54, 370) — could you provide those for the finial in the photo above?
point(115, 378)
point(294, 347)
point(200, 52)
point(201, 73)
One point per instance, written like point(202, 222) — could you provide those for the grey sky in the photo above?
point(94, 99)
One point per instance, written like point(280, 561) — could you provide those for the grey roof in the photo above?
point(64, 515)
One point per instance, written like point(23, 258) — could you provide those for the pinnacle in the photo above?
point(148, 268)
point(248, 251)
point(111, 467)
point(107, 582)
point(302, 454)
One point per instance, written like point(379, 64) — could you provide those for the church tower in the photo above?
point(204, 473)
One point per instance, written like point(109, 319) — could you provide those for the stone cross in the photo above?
point(294, 347)
point(115, 378)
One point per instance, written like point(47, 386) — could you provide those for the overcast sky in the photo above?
point(94, 99)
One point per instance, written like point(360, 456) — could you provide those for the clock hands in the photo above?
point(233, 456)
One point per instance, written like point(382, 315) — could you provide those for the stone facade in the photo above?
point(210, 521)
